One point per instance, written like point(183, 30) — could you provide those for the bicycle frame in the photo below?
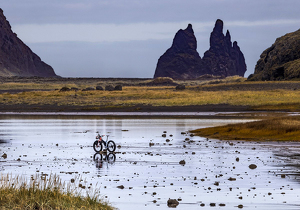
point(101, 140)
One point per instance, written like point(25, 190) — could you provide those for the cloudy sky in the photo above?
point(125, 38)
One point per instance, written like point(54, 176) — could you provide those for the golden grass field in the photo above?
point(215, 92)
point(274, 129)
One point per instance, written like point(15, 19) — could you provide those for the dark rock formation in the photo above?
point(224, 58)
point(118, 87)
point(98, 87)
point(182, 60)
point(16, 59)
point(109, 88)
point(281, 61)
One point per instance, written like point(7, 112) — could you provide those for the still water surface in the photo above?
point(147, 164)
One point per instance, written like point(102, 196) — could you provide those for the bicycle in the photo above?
point(98, 144)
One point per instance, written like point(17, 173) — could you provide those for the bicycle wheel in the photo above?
point(111, 146)
point(111, 158)
point(97, 146)
point(97, 157)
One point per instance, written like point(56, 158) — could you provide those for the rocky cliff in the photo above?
point(281, 61)
point(16, 58)
point(182, 61)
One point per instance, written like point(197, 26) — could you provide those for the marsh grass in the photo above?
point(42, 192)
point(275, 129)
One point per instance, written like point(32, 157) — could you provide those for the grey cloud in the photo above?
point(128, 11)
point(138, 58)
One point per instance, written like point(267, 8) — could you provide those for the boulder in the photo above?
point(74, 88)
point(64, 89)
point(16, 58)
point(109, 88)
point(281, 61)
point(98, 87)
point(118, 87)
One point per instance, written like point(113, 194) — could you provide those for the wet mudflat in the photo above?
point(156, 159)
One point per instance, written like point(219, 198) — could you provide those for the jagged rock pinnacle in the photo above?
point(182, 61)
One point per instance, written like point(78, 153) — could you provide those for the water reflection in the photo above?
point(101, 157)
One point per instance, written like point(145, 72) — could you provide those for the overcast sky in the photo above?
point(125, 38)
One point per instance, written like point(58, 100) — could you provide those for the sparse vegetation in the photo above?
point(231, 91)
point(275, 129)
point(42, 192)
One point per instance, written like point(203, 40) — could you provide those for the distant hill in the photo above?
point(16, 58)
point(281, 61)
point(182, 61)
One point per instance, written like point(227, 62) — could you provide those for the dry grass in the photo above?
point(45, 193)
point(155, 96)
point(231, 91)
point(276, 129)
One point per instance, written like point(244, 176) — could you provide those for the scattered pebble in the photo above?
point(252, 166)
point(172, 203)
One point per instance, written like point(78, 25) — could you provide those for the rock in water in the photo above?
point(16, 58)
point(182, 61)
point(172, 203)
point(281, 61)
point(224, 58)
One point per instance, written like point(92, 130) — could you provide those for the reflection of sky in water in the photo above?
point(153, 174)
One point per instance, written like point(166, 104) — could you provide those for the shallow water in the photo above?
point(147, 164)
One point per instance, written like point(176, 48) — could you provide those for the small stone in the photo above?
point(172, 203)
point(252, 166)
point(121, 187)
point(182, 162)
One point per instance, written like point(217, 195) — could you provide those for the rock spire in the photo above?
point(182, 61)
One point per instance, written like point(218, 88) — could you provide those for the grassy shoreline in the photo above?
point(43, 192)
point(274, 129)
